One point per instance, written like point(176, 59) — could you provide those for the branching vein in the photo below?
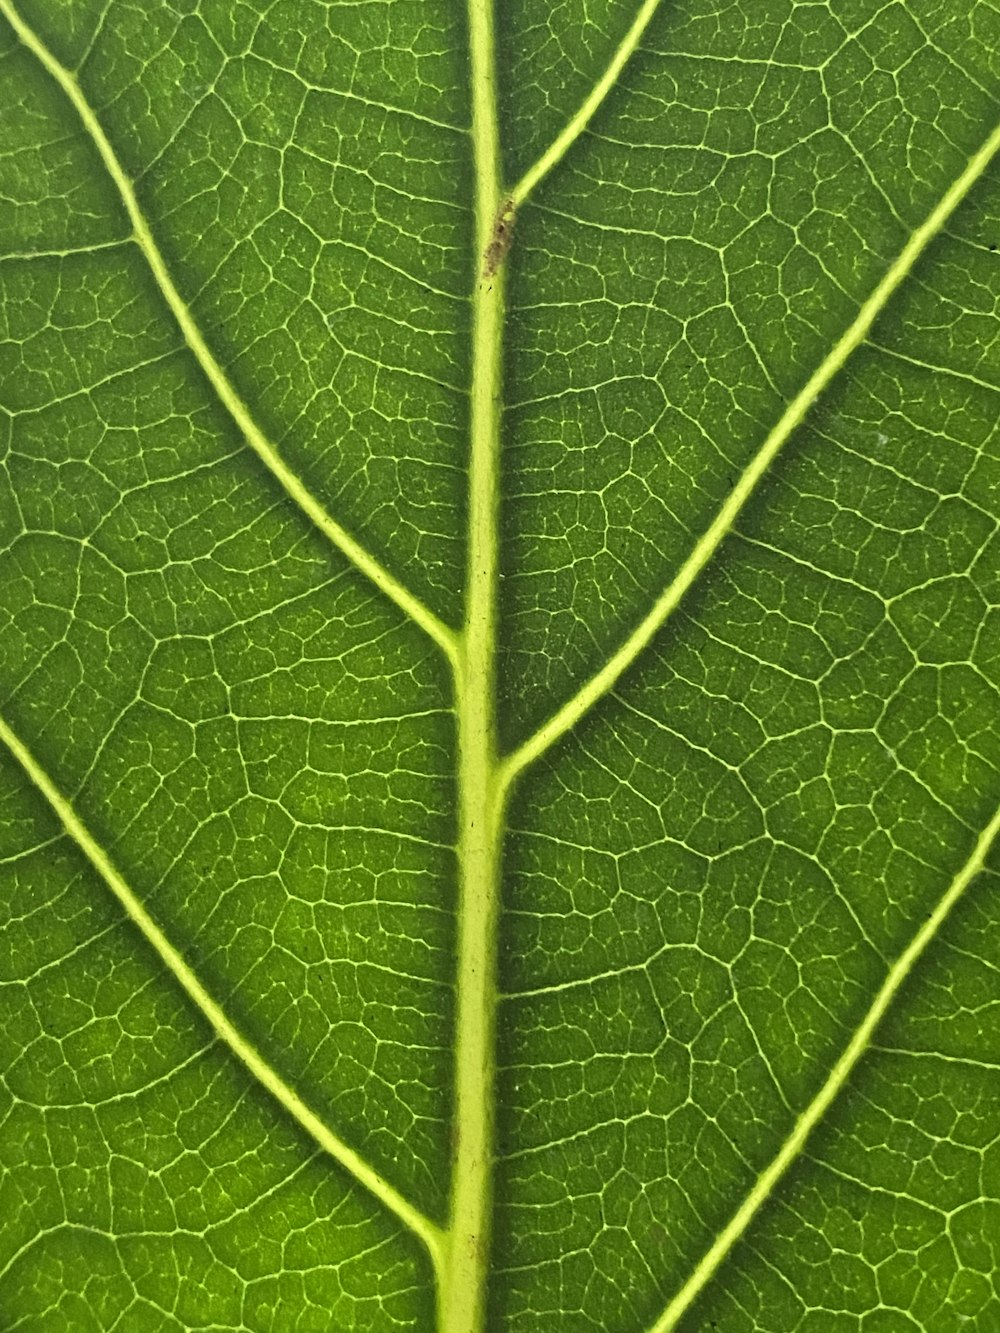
point(562, 143)
point(357, 554)
point(605, 679)
point(836, 1080)
point(251, 1058)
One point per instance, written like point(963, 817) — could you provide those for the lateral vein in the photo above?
point(838, 1077)
point(352, 1162)
point(349, 546)
point(607, 676)
point(563, 141)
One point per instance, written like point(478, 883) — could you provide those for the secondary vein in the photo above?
point(795, 1142)
point(411, 1217)
point(349, 546)
point(608, 675)
point(563, 141)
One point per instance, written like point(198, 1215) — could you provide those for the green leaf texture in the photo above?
point(500, 739)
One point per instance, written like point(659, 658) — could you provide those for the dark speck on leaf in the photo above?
point(503, 234)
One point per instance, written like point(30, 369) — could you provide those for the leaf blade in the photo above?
point(839, 1076)
point(606, 677)
point(709, 874)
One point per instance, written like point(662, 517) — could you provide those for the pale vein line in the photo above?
point(935, 369)
point(838, 1077)
point(421, 1226)
point(361, 558)
point(562, 143)
point(608, 675)
point(462, 1292)
point(21, 256)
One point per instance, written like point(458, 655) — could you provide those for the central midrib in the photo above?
point(466, 1261)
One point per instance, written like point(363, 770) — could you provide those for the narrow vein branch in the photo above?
point(254, 1062)
point(561, 145)
point(361, 558)
point(608, 675)
point(837, 1079)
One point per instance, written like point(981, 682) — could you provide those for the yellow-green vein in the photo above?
point(563, 141)
point(462, 1295)
point(254, 1062)
point(838, 1077)
point(608, 675)
point(362, 559)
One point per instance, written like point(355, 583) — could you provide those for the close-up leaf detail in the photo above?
point(499, 666)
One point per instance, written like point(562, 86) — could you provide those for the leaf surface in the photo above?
point(732, 618)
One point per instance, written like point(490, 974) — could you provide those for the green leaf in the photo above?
point(499, 666)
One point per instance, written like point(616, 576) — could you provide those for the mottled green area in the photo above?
point(706, 881)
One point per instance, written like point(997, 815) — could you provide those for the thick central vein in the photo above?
point(462, 1296)
point(349, 546)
